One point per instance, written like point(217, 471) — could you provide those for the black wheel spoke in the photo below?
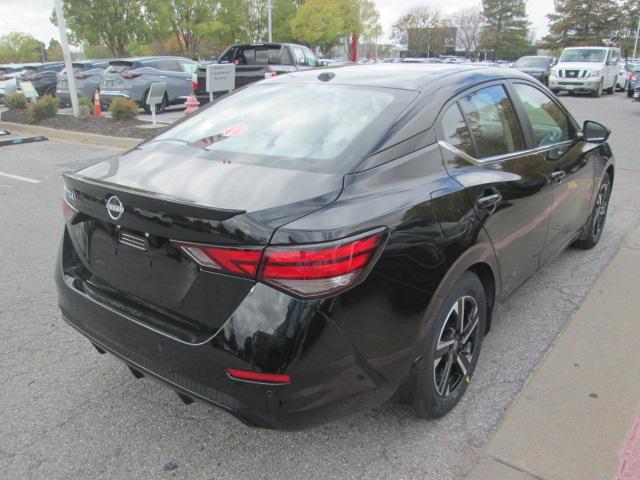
point(459, 309)
point(443, 348)
point(471, 326)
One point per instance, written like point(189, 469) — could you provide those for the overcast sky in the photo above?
point(32, 16)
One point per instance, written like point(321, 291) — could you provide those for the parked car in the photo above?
point(634, 80)
point(586, 70)
point(538, 66)
point(132, 78)
point(43, 76)
point(314, 244)
point(8, 82)
point(87, 74)
point(255, 61)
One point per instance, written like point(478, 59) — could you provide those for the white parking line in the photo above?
point(18, 177)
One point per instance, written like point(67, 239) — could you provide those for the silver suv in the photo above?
point(88, 74)
point(132, 78)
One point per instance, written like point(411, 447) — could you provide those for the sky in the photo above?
point(32, 16)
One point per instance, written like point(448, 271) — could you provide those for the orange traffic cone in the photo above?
point(97, 109)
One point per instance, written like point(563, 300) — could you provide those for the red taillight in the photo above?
point(310, 271)
point(305, 271)
point(129, 75)
point(249, 376)
point(67, 210)
point(236, 261)
point(633, 77)
point(270, 74)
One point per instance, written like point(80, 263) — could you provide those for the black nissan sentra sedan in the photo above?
point(322, 242)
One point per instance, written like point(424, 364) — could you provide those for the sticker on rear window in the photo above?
point(234, 130)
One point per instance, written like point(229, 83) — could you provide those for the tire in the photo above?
point(161, 107)
point(630, 93)
point(447, 350)
point(592, 231)
point(50, 91)
point(611, 90)
point(598, 92)
point(555, 91)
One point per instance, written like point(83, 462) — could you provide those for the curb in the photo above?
point(121, 143)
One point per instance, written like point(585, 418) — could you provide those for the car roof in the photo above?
point(408, 76)
point(153, 57)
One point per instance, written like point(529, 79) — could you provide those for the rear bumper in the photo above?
point(330, 378)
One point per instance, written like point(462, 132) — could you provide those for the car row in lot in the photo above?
point(320, 242)
point(43, 76)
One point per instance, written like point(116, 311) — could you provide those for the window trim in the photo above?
point(527, 132)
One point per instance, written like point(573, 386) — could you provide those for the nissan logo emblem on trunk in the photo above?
point(115, 209)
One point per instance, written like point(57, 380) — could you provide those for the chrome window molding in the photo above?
point(506, 156)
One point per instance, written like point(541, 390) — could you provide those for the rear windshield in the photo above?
point(584, 55)
point(532, 62)
point(254, 55)
point(304, 126)
point(120, 67)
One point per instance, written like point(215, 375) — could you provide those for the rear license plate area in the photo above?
point(133, 240)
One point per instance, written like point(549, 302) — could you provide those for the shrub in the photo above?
point(123, 109)
point(45, 107)
point(17, 101)
point(87, 102)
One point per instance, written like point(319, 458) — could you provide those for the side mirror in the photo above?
point(594, 132)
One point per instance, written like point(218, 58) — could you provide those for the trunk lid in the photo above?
point(171, 193)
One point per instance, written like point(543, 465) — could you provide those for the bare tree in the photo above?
point(469, 22)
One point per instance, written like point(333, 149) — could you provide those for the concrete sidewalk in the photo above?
point(576, 418)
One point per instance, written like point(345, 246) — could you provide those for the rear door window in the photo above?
point(310, 58)
point(455, 131)
point(298, 55)
point(549, 123)
point(169, 65)
point(492, 121)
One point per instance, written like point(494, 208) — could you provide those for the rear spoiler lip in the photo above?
point(209, 212)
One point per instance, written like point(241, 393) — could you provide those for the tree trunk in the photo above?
point(353, 50)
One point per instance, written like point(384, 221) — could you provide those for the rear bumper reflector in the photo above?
point(257, 377)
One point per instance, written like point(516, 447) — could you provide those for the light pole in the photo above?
point(71, 79)
point(269, 19)
point(635, 45)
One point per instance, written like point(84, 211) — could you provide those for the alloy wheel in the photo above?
point(456, 346)
point(600, 209)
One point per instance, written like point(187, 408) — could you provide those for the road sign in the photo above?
point(28, 90)
point(155, 96)
point(221, 77)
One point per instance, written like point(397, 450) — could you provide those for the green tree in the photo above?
point(54, 51)
point(319, 23)
point(18, 47)
point(583, 22)
point(506, 30)
point(190, 21)
point(283, 12)
point(113, 23)
point(469, 23)
point(628, 24)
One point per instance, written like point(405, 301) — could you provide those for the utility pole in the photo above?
point(635, 45)
point(71, 79)
point(269, 5)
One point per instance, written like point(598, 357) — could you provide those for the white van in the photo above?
point(586, 69)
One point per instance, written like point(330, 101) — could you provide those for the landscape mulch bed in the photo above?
point(99, 125)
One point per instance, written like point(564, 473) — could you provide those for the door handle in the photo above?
point(558, 176)
point(490, 202)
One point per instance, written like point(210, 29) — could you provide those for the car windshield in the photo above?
point(297, 126)
point(532, 62)
point(584, 55)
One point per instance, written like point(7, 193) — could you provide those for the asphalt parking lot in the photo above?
point(67, 412)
